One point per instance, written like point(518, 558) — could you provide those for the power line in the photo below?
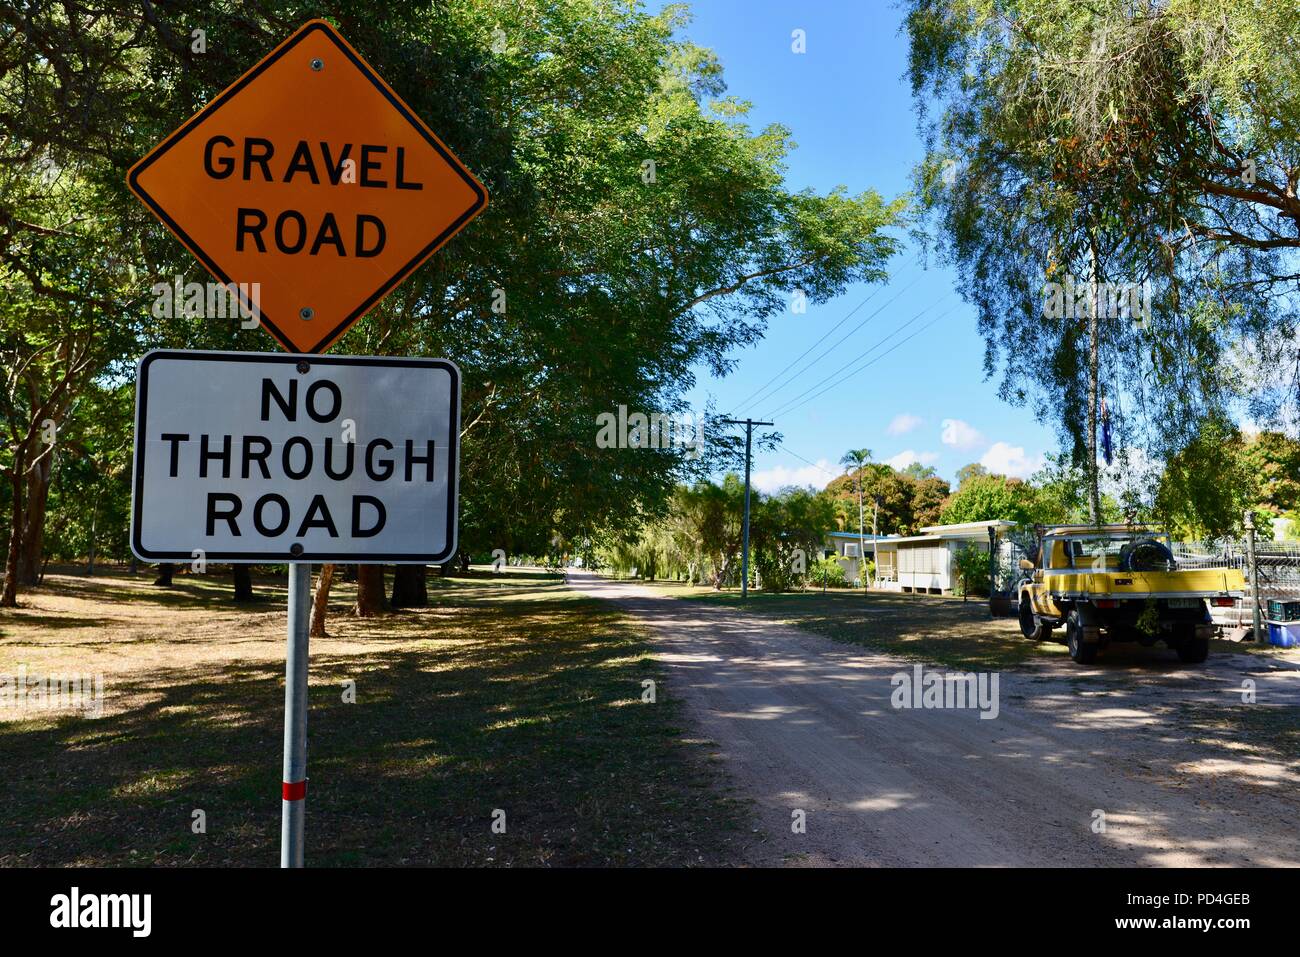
point(903, 342)
point(787, 450)
point(865, 353)
point(744, 403)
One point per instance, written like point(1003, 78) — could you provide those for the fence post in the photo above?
point(1253, 565)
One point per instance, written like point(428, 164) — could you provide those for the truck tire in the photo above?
point(1032, 629)
point(1081, 651)
point(1193, 651)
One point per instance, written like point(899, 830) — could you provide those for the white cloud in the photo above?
point(775, 479)
point(902, 424)
point(1006, 459)
point(905, 458)
point(961, 435)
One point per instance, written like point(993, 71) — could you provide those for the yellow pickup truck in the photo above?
point(1120, 583)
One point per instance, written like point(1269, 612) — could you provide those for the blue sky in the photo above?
point(849, 108)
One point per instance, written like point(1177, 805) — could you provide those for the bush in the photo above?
point(826, 570)
point(971, 565)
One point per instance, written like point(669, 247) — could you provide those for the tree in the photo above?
point(928, 496)
point(628, 194)
point(786, 531)
point(243, 581)
point(410, 586)
point(1207, 486)
point(971, 565)
point(320, 601)
point(371, 601)
point(1274, 460)
point(857, 460)
point(986, 497)
point(906, 504)
point(1062, 493)
point(1146, 144)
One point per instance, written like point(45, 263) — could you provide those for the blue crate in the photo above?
point(1284, 634)
point(1283, 610)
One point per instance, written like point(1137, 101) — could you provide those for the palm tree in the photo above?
point(858, 459)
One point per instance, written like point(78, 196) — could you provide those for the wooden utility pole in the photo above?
point(749, 441)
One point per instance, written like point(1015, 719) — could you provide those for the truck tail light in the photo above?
point(1224, 601)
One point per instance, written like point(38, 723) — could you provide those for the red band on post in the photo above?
point(295, 790)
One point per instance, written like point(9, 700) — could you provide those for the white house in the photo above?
point(844, 546)
point(915, 563)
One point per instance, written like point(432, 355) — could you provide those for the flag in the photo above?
point(1105, 432)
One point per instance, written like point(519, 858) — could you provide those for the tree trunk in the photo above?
point(370, 591)
point(1094, 478)
point(165, 571)
point(463, 558)
point(38, 490)
point(410, 588)
point(320, 601)
point(9, 596)
point(720, 573)
point(243, 583)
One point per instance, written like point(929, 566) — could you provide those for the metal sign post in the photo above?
point(294, 803)
point(253, 457)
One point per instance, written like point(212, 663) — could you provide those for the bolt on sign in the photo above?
point(310, 176)
point(253, 456)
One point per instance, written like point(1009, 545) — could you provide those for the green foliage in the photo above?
point(1274, 461)
point(907, 503)
point(985, 497)
point(971, 566)
point(828, 571)
point(1061, 495)
point(1063, 137)
point(676, 272)
point(786, 531)
point(699, 537)
point(1207, 486)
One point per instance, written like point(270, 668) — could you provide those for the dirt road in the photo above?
point(806, 724)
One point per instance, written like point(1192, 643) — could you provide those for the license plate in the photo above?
point(1184, 602)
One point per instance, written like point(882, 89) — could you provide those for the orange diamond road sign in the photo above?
point(310, 177)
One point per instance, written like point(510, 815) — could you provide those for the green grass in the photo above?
point(509, 693)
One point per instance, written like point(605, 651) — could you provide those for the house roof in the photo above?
point(935, 533)
point(961, 528)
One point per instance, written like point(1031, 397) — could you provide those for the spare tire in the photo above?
point(1146, 555)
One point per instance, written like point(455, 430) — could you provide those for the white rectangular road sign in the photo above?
point(260, 457)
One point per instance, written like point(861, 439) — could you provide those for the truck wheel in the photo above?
point(1193, 651)
point(1081, 651)
point(1030, 628)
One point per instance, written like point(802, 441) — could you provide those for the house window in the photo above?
point(850, 550)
